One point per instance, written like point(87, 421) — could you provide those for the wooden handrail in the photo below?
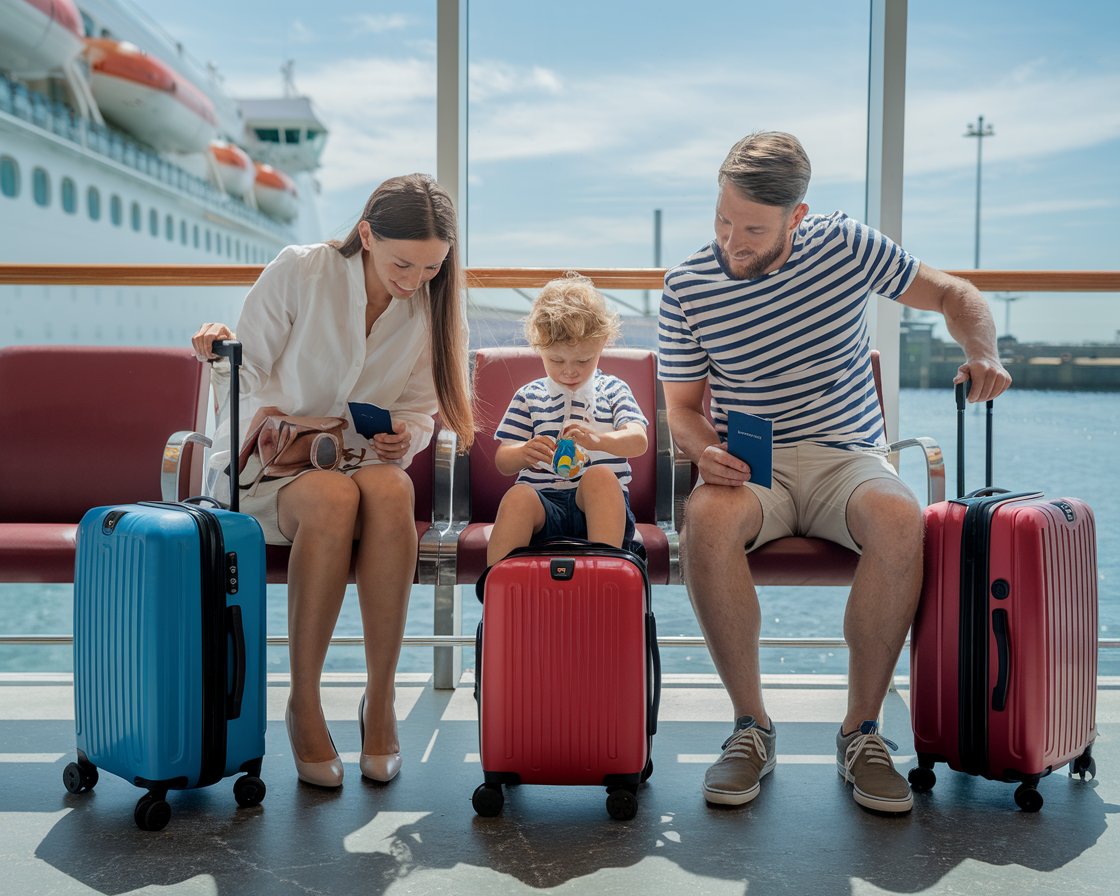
point(487, 278)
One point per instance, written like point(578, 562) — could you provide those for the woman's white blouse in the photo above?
point(305, 350)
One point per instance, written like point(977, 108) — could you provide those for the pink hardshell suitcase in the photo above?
point(1003, 652)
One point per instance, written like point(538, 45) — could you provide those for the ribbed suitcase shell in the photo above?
point(564, 682)
point(140, 685)
point(1044, 550)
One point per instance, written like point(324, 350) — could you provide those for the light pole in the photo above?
point(1007, 299)
point(979, 131)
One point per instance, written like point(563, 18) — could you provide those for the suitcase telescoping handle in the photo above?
point(231, 348)
point(961, 392)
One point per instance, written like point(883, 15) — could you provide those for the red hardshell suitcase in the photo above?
point(567, 673)
point(1003, 652)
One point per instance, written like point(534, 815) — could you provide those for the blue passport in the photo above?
point(751, 439)
point(369, 419)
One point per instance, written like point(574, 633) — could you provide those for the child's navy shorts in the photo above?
point(564, 519)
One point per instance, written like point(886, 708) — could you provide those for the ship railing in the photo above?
point(444, 636)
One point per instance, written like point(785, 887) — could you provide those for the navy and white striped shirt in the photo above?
point(544, 407)
point(791, 346)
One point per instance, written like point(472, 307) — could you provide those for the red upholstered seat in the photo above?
point(82, 426)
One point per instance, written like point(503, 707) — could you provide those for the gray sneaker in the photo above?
point(748, 756)
point(863, 761)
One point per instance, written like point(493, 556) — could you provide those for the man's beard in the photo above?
point(757, 265)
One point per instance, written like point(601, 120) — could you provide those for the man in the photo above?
point(772, 315)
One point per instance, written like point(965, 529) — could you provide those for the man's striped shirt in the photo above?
point(544, 408)
point(791, 346)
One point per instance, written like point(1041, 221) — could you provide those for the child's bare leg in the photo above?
point(599, 496)
point(519, 516)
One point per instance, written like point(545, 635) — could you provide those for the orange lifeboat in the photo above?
point(39, 35)
point(145, 97)
point(276, 193)
point(235, 168)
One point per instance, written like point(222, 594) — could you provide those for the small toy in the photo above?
point(569, 458)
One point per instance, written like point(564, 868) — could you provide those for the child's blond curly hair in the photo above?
point(570, 310)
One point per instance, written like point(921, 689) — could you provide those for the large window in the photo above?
point(1046, 79)
point(586, 117)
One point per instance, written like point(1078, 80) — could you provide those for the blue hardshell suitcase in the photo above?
point(169, 641)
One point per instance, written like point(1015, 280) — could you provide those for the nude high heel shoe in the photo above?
point(381, 767)
point(321, 774)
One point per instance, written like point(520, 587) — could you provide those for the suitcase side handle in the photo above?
point(236, 630)
point(1002, 633)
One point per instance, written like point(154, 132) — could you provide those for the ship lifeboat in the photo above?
point(276, 193)
point(235, 169)
point(145, 97)
point(39, 35)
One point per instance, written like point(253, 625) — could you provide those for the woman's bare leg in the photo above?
point(385, 567)
point(317, 512)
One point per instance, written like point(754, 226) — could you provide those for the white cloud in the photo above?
point(377, 24)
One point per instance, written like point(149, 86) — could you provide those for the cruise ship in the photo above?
point(116, 146)
point(83, 182)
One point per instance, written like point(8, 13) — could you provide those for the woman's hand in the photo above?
point(203, 341)
point(392, 447)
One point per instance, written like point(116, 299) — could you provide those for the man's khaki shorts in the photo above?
point(812, 485)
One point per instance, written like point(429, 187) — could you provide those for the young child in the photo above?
point(569, 326)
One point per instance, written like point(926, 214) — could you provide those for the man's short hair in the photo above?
point(769, 167)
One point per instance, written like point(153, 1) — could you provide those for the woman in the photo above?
point(374, 318)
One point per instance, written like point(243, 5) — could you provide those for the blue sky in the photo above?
point(586, 116)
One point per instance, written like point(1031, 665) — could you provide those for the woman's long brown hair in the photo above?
point(415, 207)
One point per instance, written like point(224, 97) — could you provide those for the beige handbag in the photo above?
point(287, 445)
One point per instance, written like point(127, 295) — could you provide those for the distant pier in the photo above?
point(1087, 367)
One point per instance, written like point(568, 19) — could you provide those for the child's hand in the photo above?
point(581, 434)
point(538, 449)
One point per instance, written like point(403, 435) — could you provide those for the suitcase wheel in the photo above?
point(488, 800)
point(79, 776)
point(622, 805)
point(1028, 798)
point(1084, 766)
point(249, 790)
point(152, 812)
point(922, 779)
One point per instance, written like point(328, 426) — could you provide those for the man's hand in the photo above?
point(717, 467)
point(989, 378)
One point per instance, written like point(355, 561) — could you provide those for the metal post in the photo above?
point(451, 172)
point(886, 114)
point(656, 254)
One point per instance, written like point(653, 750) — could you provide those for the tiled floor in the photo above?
point(420, 835)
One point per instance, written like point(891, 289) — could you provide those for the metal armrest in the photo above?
point(172, 456)
point(432, 553)
point(665, 507)
point(935, 465)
